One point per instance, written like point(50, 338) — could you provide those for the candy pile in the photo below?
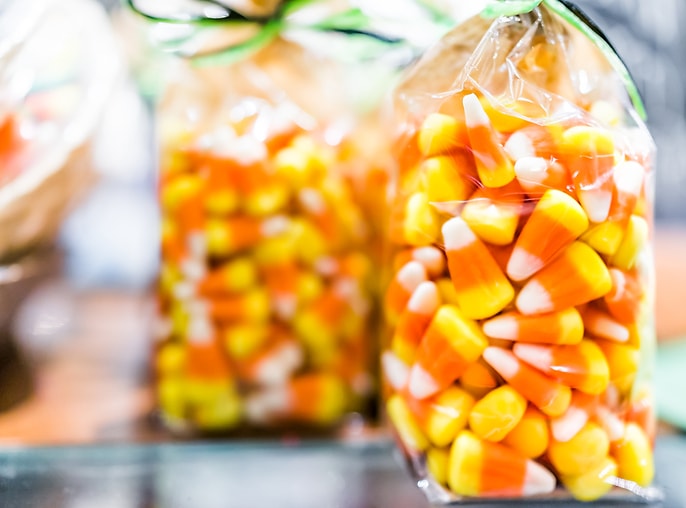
point(265, 282)
point(520, 302)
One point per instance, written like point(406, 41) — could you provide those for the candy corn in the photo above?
point(564, 327)
point(548, 395)
point(585, 450)
point(492, 217)
point(580, 410)
point(578, 275)
point(581, 366)
point(588, 153)
point(451, 342)
point(415, 319)
point(530, 436)
point(402, 286)
point(481, 287)
point(554, 224)
point(495, 415)
point(542, 218)
point(440, 133)
point(480, 468)
point(492, 163)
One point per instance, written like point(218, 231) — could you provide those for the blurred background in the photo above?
point(108, 243)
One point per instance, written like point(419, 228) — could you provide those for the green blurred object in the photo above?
point(670, 382)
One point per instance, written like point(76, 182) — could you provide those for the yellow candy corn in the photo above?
point(575, 457)
point(437, 460)
point(594, 482)
point(439, 133)
point(530, 436)
point(448, 415)
point(495, 415)
point(443, 181)
point(634, 456)
point(633, 243)
point(405, 424)
point(420, 224)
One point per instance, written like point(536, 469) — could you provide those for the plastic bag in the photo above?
point(520, 308)
point(270, 178)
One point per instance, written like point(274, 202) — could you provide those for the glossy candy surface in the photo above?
point(537, 310)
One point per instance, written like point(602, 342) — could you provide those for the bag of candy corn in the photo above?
point(271, 173)
point(519, 312)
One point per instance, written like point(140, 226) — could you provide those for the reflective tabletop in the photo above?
point(318, 474)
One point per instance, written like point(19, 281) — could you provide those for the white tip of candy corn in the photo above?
point(501, 327)
point(411, 275)
point(537, 356)
point(537, 480)
point(502, 361)
point(520, 146)
point(530, 169)
point(612, 424)
point(628, 177)
point(421, 384)
point(474, 114)
point(431, 257)
point(457, 234)
point(396, 371)
point(277, 369)
point(596, 204)
point(275, 226)
point(425, 299)
point(522, 264)
point(534, 298)
point(565, 427)
point(261, 406)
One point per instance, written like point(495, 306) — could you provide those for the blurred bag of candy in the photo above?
point(59, 67)
point(520, 341)
point(272, 172)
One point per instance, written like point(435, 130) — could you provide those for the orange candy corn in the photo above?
point(492, 163)
point(576, 276)
point(601, 325)
point(628, 181)
point(564, 327)
point(204, 358)
point(253, 305)
point(548, 395)
point(449, 345)
point(532, 141)
point(554, 224)
point(568, 424)
point(227, 236)
point(402, 286)
point(581, 366)
point(395, 370)
point(432, 258)
point(415, 319)
point(478, 380)
point(480, 468)
point(274, 364)
point(536, 175)
point(588, 153)
point(316, 398)
point(234, 276)
point(482, 288)
point(624, 301)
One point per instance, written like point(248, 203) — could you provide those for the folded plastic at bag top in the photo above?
point(545, 66)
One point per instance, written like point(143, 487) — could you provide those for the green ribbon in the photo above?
point(349, 22)
point(578, 20)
